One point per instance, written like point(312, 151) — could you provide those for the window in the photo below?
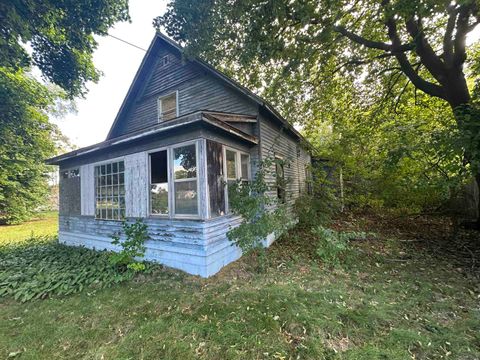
point(237, 167)
point(159, 183)
point(185, 180)
point(165, 60)
point(280, 174)
point(167, 107)
point(110, 191)
point(231, 160)
point(245, 167)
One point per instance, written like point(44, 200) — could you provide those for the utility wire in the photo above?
point(128, 43)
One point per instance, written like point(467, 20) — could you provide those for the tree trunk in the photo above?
point(477, 179)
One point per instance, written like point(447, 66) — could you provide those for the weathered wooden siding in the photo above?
point(87, 189)
point(69, 196)
point(136, 185)
point(276, 141)
point(197, 90)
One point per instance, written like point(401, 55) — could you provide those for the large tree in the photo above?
point(58, 38)
point(420, 44)
point(60, 35)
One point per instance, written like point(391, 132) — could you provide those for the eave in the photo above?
point(182, 121)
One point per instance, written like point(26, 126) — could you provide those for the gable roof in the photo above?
point(159, 39)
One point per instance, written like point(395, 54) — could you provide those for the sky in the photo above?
point(119, 63)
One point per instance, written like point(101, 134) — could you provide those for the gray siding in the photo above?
point(275, 140)
point(197, 90)
point(69, 196)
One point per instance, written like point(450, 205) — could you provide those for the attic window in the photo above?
point(165, 60)
point(167, 107)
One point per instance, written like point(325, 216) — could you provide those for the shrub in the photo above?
point(132, 247)
point(333, 245)
point(318, 206)
point(41, 267)
point(261, 214)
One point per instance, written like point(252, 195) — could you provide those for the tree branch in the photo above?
point(373, 44)
point(447, 39)
point(424, 85)
point(360, 62)
point(462, 30)
point(429, 58)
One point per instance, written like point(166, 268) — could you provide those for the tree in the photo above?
point(60, 34)
point(58, 38)
point(300, 46)
point(26, 137)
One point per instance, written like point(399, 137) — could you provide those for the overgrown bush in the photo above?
point(317, 206)
point(261, 214)
point(333, 245)
point(41, 267)
point(132, 247)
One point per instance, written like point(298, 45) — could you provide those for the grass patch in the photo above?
point(420, 307)
point(45, 224)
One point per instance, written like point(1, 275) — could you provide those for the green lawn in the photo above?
point(390, 301)
point(45, 224)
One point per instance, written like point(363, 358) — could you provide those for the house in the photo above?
point(183, 132)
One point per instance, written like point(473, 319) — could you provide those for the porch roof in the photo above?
point(218, 120)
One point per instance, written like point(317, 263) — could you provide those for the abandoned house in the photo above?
point(183, 132)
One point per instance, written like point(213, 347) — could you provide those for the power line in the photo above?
point(128, 43)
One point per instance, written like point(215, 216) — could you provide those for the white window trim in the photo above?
point(105, 162)
point(171, 182)
point(238, 170)
point(159, 105)
point(149, 183)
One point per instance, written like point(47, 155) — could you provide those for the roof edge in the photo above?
point(184, 120)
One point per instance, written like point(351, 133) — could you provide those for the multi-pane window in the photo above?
point(110, 191)
point(185, 180)
point(237, 167)
point(167, 107)
point(159, 183)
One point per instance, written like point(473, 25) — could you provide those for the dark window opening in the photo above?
point(216, 186)
point(280, 172)
point(159, 183)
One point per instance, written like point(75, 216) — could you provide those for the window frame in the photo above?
point(159, 106)
point(238, 170)
point(106, 162)
point(149, 200)
point(197, 179)
point(277, 185)
point(171, 181)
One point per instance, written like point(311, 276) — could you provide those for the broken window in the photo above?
point(159, 183)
